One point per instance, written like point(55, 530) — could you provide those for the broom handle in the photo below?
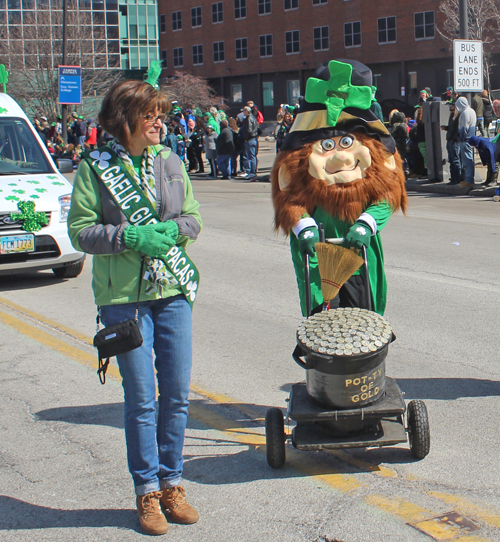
point(307, 280)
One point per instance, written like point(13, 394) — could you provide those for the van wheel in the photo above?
point(69, 271)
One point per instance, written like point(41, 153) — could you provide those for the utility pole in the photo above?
point(464, 30)
point(64, 108)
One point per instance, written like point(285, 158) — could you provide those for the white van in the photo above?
point(28, 173)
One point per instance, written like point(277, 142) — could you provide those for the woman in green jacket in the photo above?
point(133, 202)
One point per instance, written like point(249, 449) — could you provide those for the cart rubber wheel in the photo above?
point(275, 438)
point(419, 434)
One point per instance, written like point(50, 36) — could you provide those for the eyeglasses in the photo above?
point(151, 119)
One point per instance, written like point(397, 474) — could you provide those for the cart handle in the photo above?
point(305, 364)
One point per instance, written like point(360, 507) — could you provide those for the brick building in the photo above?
point(264, 50)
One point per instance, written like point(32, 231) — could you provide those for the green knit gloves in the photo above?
point(308, 237)
point(359, 234)
point(154, 240)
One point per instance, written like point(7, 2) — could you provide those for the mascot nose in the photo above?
point(340, 159)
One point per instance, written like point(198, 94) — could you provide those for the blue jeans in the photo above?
point(154, 448)
point(467, 157)
point(453, 149)
point(224, 164)
point(250, 156)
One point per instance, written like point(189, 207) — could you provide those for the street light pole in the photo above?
point(64, 108)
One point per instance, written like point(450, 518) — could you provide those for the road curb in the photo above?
point(451, 190)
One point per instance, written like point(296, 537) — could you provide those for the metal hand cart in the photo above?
point(323, 425)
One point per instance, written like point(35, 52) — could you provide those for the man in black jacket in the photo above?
point(249, 133)
point(453, 147)
point(225, 148)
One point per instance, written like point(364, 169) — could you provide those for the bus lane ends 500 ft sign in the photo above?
point(468, 65)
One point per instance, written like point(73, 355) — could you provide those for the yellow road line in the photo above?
point(302, 462)
point(46, 321)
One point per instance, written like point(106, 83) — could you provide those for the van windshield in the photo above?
point(20, 151)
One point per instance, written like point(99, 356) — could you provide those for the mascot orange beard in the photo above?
point(296, 192)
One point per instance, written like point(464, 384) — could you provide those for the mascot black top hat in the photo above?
point(337, 101)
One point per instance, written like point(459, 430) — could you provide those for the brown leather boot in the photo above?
point(178, 510)
point(150, 515)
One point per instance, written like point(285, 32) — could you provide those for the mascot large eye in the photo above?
point(328, 144)
point(346, 142)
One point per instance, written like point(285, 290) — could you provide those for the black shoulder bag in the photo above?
point(118, 338)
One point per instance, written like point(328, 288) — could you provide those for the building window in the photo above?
point(264, 7)
point(176, 20)
point(178, 57)
point(219, 55)
point(352, 34)
point(217, 12)
point(321, 38)
point(291, 4)
point(413, 80)
point(266, 45)
point(268, 93)
point(197, 55)
point(237, 93)
point(195, 17)
point(292, 44)
point(240, 9)
point(293, 91)
point(317, 2)
point(241, 49)
point(163, 57)
point(163, 24)
point(424, 25)
point(387, 30)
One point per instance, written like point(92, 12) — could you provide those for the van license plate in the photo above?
point(17, 243)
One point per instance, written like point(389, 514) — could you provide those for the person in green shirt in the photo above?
point(134, 169)
point(338, 167)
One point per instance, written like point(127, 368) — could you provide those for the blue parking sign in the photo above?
point(70, 85)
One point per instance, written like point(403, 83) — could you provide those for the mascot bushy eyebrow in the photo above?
point(338, 166)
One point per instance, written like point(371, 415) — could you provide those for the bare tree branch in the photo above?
point(192, 91)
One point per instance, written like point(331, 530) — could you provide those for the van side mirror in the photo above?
point(64, 165)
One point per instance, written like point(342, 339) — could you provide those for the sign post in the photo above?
point(468, 65)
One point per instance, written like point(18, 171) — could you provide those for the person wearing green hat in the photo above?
point(375, 106)
point(210, 121)
point(338, 167)
point(80, 131)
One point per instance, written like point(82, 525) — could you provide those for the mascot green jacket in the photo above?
point(338, 167)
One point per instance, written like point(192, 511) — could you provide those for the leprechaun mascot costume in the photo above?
point(338, 167)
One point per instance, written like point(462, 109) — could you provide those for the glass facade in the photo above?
point(102, 34)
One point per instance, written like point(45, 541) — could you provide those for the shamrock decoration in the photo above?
point(41, 190)
point(58, 184)
point(33, 182)
point(19, 191)
point(32, 220)
point(4, 79)
point(192, 286)
point(52, 177)
point(12, 198)
point(34, 196)
point(101, 159)
point(337, 93)
point(12, 184)
point(3, 110)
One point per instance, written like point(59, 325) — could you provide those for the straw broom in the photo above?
point(336, 265)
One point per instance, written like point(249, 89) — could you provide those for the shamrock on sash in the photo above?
point(32, 220)
point(101, 158)
point(191, 287)
point(337, 93)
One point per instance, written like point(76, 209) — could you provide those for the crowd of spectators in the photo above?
point(230, 145)
point(81, 135)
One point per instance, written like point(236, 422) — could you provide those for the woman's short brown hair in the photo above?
point(124, 105)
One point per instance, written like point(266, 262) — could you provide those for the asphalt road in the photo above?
point(63, 472)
